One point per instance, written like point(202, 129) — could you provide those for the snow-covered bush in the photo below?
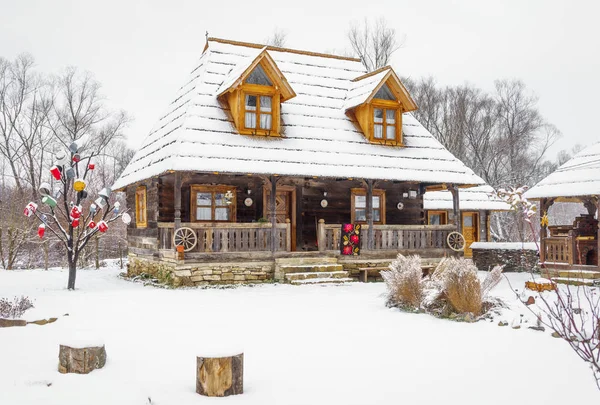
point(404, 282)
point(15, 308)
point(461, 286)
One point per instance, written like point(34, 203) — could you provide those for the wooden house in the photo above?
point(476, 207)
point(571, 247)
point(262, 156)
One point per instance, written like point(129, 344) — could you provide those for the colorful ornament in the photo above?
point(93, 208)
point(76, 211)
point(126, 218)
point(91, 166)
point(73, 147)
point(102, 226)
point(30, 209)
point(92, 225)
point(79, 185)
point(105, 193)
point(45, 189)
point(116, 207)
point(83, 194)
point(49, 201)
point(57, 193)
point(41, 230)
point(56, 172)
point(544, 220)
point(44, 218)
point(75, 222)
point(76, 158)
point(70, 173)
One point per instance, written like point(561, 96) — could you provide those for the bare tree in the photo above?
point(373, 42)
point(278, 38)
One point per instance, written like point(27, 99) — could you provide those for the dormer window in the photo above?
point(384, 124)
point(254, 93)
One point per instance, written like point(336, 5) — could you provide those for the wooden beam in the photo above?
point(455, 206)
point(177, 204)
point(370, 214)
point(273, 213)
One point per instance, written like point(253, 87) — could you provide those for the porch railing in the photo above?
point(230, 237)
point(557, 249)
point(388, 237)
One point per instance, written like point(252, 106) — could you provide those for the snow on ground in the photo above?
point(303, 345)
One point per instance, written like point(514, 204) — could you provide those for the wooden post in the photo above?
point(177, 219)
point(455, 206)
point(370, 214)
point(543, 230)
point(598, 237)
point(288, 231)
point(272, 209)
point(220, 376)
point(321, 235)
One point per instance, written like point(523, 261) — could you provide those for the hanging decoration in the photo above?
point(102, 226)
point(544, 219)
point(228, 197)
point(56, 172)
point(57, 193)
point(100, 203)
point(91, 166)
point(41, 230)
point(70, 173)
point(49, 201)
point(126, 218)
point(93, 209)
point(76, 158)
point(73, 147)
point(105, 193)
point(116, 208)
point(30, 209)
point(79, 185)
point(75, 222)
point(350, 243)
point(92, 225)
point(400, 205)
point(248, 202)
point(83, 194)
point(45, 189)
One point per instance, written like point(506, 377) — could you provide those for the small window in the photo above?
point(384, 93)
point(359, 206)
point(258, 112)
point(258, 76)
point(437, 218)
point(213, 203)
point(384, 124)
point(140, 207)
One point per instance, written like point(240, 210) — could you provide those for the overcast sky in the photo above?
point(141, 51)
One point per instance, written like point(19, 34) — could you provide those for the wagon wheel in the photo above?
point(185, 237)
point(456, 241)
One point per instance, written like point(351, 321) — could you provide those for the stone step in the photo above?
point(316, 267)
point(316, 274)
point(299, 261)
point(576, 274)
point(575, 281)
point(322, 281)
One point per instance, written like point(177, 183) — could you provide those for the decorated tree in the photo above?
point(72, 209)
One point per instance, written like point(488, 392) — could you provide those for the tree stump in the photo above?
point(81, 360)
point(220, 376)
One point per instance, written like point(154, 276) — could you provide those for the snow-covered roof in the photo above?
point(470, 199)
point(579, 176)
point(318, 138)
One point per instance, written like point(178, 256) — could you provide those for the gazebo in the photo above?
point(571, 247)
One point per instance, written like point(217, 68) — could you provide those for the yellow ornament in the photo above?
point(79, 185)
point(544, 220)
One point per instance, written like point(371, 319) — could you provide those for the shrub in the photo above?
point(16, 308)
point(461, 286)
point(491, 280)
point(404, 282)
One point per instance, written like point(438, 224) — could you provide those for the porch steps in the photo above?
point(576, 281)
point(572, 277)
point(311, 270)
point(311, 275)
point(322, 281)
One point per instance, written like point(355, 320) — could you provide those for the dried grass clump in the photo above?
point(15, 308)
point(461, 286)
point(404, 282)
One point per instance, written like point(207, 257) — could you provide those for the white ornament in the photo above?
point(400, 205)
point(324, 203)
point(248, 202)
point(126, 218)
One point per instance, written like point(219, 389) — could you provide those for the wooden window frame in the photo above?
point(258, 94)
point(141, 214)
point(195, 188)
point(443, 214)
point(361, 191)
point(386, 105)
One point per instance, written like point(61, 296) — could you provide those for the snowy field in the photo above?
point(302, 344)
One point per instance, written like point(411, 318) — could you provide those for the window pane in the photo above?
point(390, 132)
point(360, 215)
point(203, 214)
point(390, 116)
point(265, 121)
point(221, 214)
point(265, 103)
point(220, 199)
point(468, 220)
point(384, 93)
point(250, 102)
point(250, 121)
point(378, 131)
point(378, 115)
point(258, 76)
point(375, 201)
point(376, 216)
point(360, 201)
point(435, 220)
point(204, 199)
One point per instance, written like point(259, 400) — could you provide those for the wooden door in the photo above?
point(285, 208)
point(470, 230)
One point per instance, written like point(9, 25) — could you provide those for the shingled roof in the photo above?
point(471, 199)
point(579, 176)
point(318, 137)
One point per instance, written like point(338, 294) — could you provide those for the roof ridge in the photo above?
point(280, 49)
point(373, 73)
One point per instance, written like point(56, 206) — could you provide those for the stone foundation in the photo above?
point(198, 274)
point(514, 260)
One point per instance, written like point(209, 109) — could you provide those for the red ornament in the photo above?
point(91, 166)
point(102, 226)
point(76, 212)
point(354, 239)
point(92, 224)
point(75, 222)
point(347, 250)
point(348, 228)
point(76, 158)
point(41, 230)
point(30, 209)
point(55, 172)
